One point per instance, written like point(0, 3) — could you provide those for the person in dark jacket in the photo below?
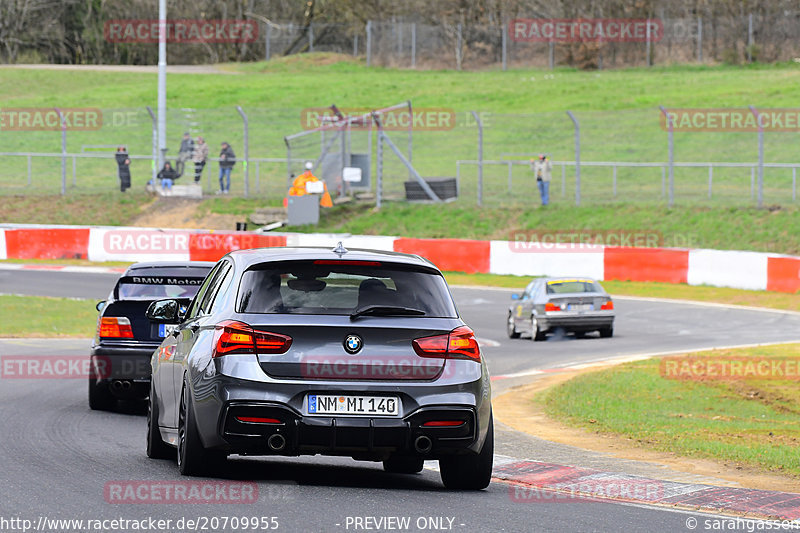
point(184, 153)
point(167, 176)
point(226, 161)
point(123, 164)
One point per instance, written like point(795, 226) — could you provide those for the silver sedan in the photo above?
point(576, 305)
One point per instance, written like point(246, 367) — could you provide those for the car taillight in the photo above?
point(458, 344)
point(608, 306)
point(258, 420)
point(443, 423)
point(549, 306)
point(232, 336)
point(115, 327)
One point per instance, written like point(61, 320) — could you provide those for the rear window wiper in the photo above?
point(385, 310)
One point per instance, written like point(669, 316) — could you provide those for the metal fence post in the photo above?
point(458, 47)
point(410, 136)
point(505, 45)
point(760, 153)
point(750, 38)
point(246, 150)
point(154, 162)
point(267, 35)
point(752, 182)
point(63, 121)
point(577, 158)
point(413, 45)
point(310, 36)
point(551, 59)
point(699, 39)
point(671, 148)
point(647, 41)
point(369, 43)
point(355, 45)
point(480, 156)
point(710, 180)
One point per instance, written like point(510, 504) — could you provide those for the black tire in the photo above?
point(605, 333)
point(193, 458)
point(511, 329)
point(536, 333)
point(403, 464)
point(100, 397)
point(156, 447)
point(470, 472)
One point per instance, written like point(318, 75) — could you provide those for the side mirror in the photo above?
point(100, 305)
point(515, 296)
point(164, 312)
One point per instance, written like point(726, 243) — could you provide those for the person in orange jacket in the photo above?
point(298, 187)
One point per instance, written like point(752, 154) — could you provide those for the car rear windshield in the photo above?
point(343, 288)
point(150, 287)
point(572, 286)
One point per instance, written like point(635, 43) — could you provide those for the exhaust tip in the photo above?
point(423, 444)
point(276, 442)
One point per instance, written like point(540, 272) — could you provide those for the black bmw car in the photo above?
point(303, 351)
point(125, 338)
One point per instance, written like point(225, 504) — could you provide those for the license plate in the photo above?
point(165, 329)
point(325, 404)
point(580, 307)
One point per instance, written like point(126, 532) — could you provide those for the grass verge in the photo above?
point(38, 316)
point(749, 421)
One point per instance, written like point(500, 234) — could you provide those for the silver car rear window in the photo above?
point(339, 288)
point(572, 286)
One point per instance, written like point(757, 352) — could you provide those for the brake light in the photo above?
point(443, 423)
point(458, 344)
point(232, 336)
point(549, 306)
point(116, 327)
point(345, 262)
point(608, 306)
point(258, 420)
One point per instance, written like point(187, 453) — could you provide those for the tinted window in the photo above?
point(207, 299)
point(572, 285)
point(203, 291)
point(341, 289)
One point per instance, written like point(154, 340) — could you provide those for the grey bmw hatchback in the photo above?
point(304, 351)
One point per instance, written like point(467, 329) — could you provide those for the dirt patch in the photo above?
point(518, 410)
point(183, 213)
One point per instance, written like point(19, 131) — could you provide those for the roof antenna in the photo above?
point(340, 249)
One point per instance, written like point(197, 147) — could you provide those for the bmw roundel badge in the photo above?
point(353, 344)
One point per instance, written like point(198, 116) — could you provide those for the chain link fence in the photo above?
point(624, 156)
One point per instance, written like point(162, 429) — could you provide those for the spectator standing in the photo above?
point(543, 169)
point(123, 166)
point(199, 157)
point(184, 153)
point(226, 161)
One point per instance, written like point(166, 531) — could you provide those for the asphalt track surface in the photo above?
point(58, 456)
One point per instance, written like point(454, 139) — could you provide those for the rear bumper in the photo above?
point(361, 437)
point(116, 363)
point(577, 322)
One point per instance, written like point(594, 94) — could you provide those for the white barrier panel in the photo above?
point(138, 244)
point(740, 270)
point(3, 244)
point(330, 240)
point(508, 258)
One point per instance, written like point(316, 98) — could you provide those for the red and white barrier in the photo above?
point(743, 270)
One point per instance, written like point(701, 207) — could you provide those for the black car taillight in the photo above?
point(232, 337)
point(458, 344)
